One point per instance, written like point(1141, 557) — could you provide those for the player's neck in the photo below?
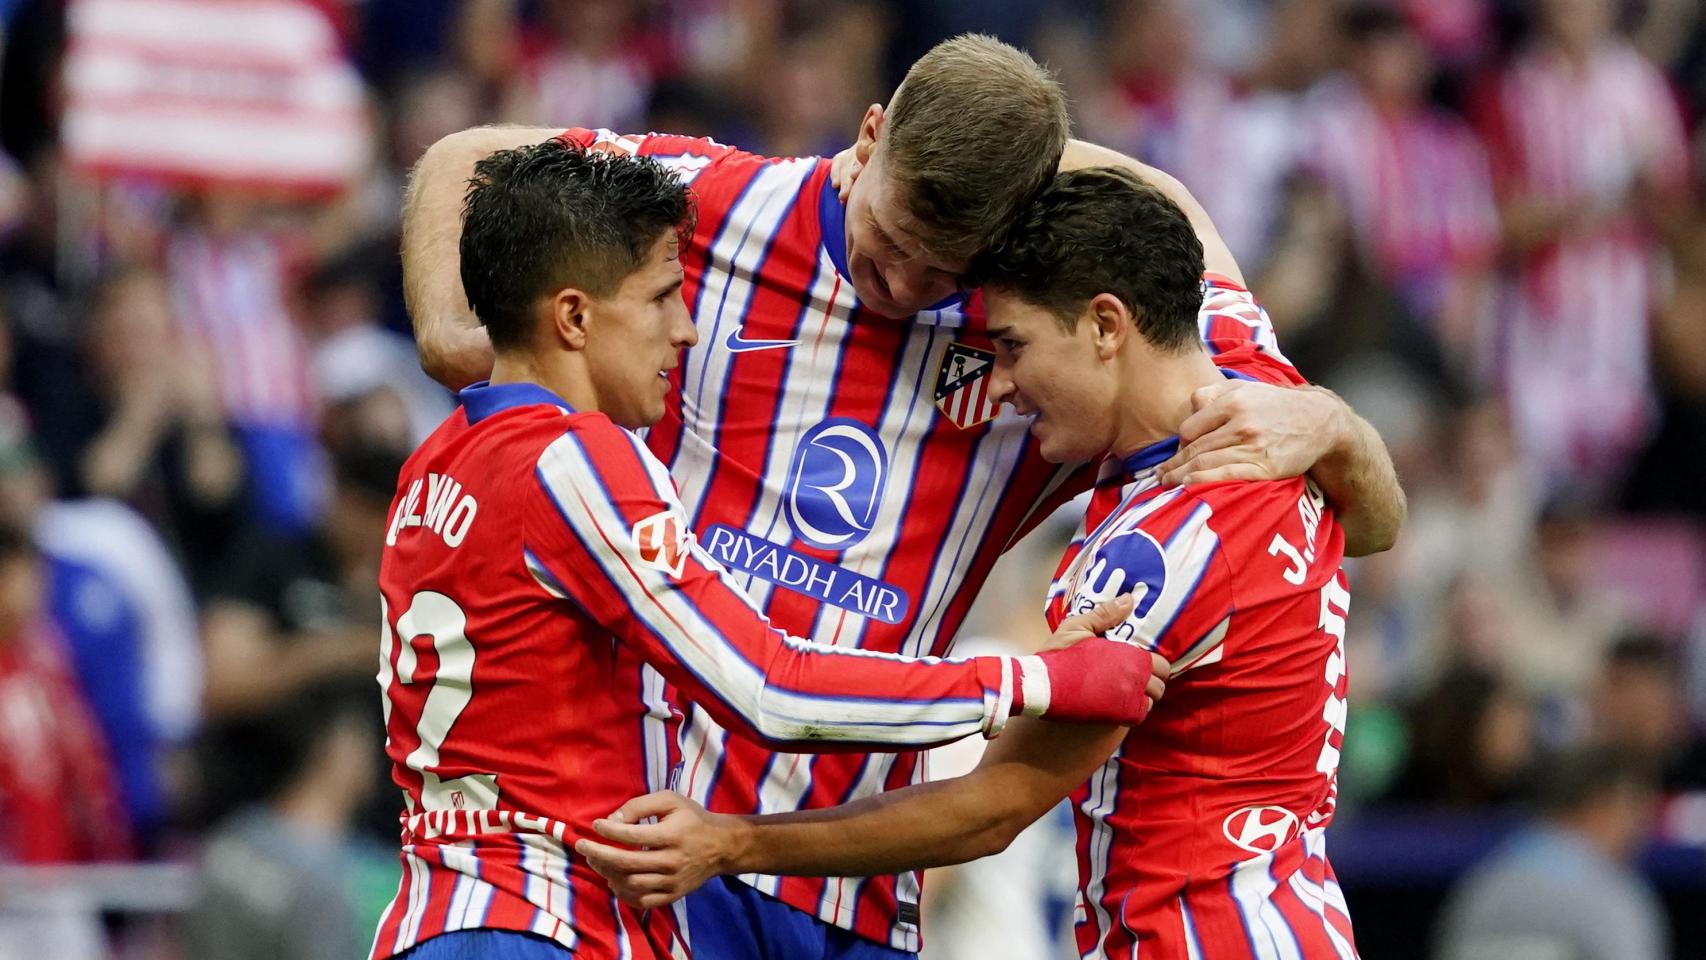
point(1159, 398)
point(562, 374)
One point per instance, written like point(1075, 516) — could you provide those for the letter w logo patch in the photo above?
point(663, 540)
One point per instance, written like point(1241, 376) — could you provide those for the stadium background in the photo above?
point(206, 387)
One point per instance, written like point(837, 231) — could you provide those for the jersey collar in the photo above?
point(481, 400)
point(1161, 451)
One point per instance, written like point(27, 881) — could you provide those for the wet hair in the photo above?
point(1103, 230)
point(539, 218)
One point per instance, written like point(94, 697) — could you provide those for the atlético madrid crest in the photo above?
point(962, 386)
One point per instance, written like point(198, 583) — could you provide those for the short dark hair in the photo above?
point(1579, 777)
point(1104, 230)
point(975, 130)
point(550, 215)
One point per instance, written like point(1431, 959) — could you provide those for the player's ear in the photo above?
point(1110, 324)
point(569, 317)
point(870, 128)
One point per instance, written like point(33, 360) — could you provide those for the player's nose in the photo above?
point(1001, 389)
point(683, 333)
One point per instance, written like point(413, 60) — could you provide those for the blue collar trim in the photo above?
point(832, 219)
point(832, 222)
point(481, 400)
point(1152, 455)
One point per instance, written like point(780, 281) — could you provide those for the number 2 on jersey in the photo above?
point(433, 614)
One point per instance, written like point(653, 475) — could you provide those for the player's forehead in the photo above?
point(904, 232)
point(1008, 313)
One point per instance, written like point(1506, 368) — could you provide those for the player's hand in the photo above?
point(1095, 680)
point(670, 858)
point(1241, 430)
point(844, 168)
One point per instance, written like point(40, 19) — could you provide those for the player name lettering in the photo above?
point(444, 509)
point(836, 586)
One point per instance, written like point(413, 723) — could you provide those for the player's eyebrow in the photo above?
point(669, 287)
point(996, 333)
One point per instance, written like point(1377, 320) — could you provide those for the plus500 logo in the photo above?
point(836, 484)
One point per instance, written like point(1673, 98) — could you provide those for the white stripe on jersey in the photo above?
point(624, 949)
point(546, 863)
point(571, 479)
point(420, 882)
point(1193, 949)
point(841, 894)
point(977, 505)
point(721, 306)
point(1101, 802)
point(1253, 887)
point(1314, 898)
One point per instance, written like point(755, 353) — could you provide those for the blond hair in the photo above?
point(974, 132)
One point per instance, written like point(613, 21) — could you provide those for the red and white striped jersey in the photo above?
point(1202, 836)
point(535, 558)
point(1416, 187)
point(1575, 318)
point(848, 468)
point(230, 295)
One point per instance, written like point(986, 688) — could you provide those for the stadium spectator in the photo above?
point(126, 626)
point(275, 874)
point(1588, 156)
point(1413, 180)
point(285, 615)
point(157, 438)
point(1165, 106)
point(230, 276)
point(58, 789)
point(1565, 886)
point(589, 63)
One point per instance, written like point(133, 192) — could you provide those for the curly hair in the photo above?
point(551, 215)
point(1103, 230)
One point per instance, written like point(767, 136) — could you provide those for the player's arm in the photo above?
point(454, 348)
point(1249, 431)
point(1022, 776)
point(607, 533)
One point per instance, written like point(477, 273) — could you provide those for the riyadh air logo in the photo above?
point(663, 541)
point(836, 484)
point(1260, 830)
point(1129, 561)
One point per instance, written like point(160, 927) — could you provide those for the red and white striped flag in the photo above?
point(237, 92)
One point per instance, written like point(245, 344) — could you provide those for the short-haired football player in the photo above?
point(834, 435)
point(537, 558)
point(1201, 832)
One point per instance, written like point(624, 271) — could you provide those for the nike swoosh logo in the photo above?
point(738, 345)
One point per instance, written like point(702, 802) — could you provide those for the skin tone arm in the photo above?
point(1023, 775)
point(454, 348)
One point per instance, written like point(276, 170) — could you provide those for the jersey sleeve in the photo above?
point(1230, 316)
point(687, 156)
point(1168, 556)
point(606, 531)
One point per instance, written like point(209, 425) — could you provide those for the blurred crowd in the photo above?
point(1478, 220)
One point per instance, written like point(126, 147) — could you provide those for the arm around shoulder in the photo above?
point(453, 346)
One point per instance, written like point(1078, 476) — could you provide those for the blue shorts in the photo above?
point(486, 945)
point(729, 920)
